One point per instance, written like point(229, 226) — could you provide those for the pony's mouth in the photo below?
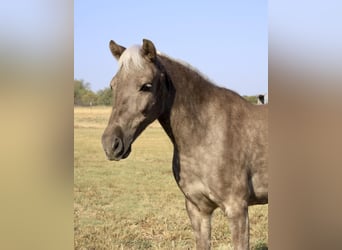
point(126, 154)
point(121, 153)
point(117, 156)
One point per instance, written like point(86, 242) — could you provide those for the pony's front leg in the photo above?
point(201, 224)
point(237, 214)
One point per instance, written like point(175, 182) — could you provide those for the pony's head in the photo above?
point(139, 92)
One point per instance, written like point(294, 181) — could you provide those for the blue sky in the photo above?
point(226, 40)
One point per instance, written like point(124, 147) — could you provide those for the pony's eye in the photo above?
point(146, 87)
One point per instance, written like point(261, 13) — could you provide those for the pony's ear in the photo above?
point(149, 50)
point(116, 49)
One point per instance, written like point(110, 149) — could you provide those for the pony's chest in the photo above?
point(191, 179)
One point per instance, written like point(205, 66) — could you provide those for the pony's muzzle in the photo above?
point(114, 145)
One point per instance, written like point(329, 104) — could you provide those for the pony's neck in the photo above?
point(192, 96)
point(188, 90)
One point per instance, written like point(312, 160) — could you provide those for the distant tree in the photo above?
point(252, 99)
point(83, 95)
point(89, 98)
point(104, 97)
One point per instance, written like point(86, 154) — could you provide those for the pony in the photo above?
point(220, 140)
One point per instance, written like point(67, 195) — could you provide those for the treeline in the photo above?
point(84, 96)
point(252, 98)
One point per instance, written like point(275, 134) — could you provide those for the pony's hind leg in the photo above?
point(201, 224)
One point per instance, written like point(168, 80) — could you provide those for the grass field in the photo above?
point(135, 203)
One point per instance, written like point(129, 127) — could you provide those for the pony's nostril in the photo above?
point(117, 146)
point(116, 143)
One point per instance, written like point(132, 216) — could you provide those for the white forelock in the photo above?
point(131, 58)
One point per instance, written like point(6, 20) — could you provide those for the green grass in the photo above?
point(135, 203)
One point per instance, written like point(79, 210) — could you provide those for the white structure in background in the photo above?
point(263, 99)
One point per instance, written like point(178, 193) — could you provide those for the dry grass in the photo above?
point(135, 203)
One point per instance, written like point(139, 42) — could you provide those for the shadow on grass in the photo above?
point(261, 246)
point(139, 244)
